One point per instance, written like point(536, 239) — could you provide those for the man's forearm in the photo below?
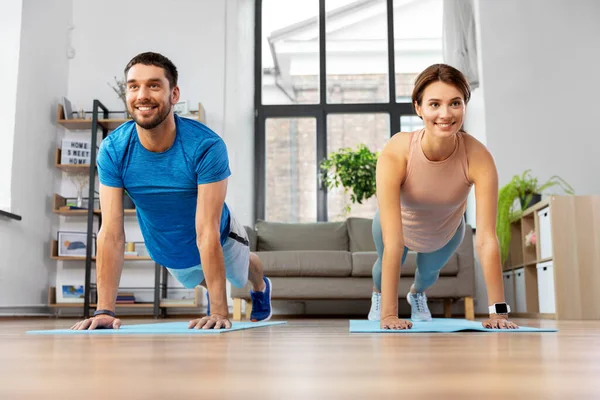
point(390, 277)
point(489, 256)
point(213, 266)
point(109, 265)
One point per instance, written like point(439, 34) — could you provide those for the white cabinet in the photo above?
point(558, 275)
point(520, 292)
point(508, 279)
point(545, 239)
point(545, 279)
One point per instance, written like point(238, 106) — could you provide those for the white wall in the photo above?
point(109, 33)
point(10, 32)
point(533, 100)
point(238, 124)
point(210, 42)
point(540, 60)
point(42, 79)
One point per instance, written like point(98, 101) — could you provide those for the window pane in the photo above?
point(410, 123)
point(290, 52)
point(417, 41)
point(291, 171)
point(357, 52)
point(350, 130)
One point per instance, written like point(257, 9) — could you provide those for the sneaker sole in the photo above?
point(270, 313)
point(370, 318)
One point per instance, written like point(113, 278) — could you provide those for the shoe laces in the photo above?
point(377, 301)
point(420, 301)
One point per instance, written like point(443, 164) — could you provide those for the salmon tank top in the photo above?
point(433, 196)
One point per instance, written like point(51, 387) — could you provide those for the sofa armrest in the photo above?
point(252, 237)
point(466, 264)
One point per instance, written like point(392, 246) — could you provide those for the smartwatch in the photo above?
point(499, 308)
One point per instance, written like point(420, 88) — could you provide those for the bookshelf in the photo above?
point(100, 121)
point(557, 277)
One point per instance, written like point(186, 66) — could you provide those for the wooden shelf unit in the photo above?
point(164, 303)
point(110, 123)
point(59, 206)
point(575, 236)
point(54, 255)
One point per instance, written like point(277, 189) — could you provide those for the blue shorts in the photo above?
point(237, 258)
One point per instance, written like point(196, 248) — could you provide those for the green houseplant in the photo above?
point(528, 190)
point(352, 169)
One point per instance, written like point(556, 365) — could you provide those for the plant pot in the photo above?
point(535, 198)
point(128, 203)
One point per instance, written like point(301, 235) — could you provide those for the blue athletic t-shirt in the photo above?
point(164, 186)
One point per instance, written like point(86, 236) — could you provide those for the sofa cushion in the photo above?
point(360, 234)
point(307, 263)
point(251, 237)
point(362, 264)
point(274, 236)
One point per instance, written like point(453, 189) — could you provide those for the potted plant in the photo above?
point(529, 191)
point(120, 89)
point(354, 170)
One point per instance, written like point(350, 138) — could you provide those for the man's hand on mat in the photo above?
point(210, 322)
point(394, 323)
point(499, 322)
point(98, 322)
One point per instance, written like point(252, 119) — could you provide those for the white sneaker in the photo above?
point(418, 304)
point(375, 312)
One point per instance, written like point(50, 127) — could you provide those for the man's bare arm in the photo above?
point(211, 198)
point(111, 247)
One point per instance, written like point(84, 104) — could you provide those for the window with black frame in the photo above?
point(332, 74)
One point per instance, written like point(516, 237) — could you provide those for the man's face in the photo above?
point(150, 98)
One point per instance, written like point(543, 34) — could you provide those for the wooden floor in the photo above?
point(305, 359)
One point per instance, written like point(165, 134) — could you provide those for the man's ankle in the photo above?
point(261, 289)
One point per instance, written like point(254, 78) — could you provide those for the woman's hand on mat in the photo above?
point(98, 322)
point(210, 322)
point(499, 322)
point(394, 323)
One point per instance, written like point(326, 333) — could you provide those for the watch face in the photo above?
point(501, 308)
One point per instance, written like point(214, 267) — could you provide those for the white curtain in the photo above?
point(459, 38)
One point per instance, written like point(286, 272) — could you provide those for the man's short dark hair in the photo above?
point(158, 60)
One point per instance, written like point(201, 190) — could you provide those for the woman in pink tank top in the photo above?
point(423, 180)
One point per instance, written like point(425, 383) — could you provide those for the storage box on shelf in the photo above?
point(79, 163)
point(557, 277)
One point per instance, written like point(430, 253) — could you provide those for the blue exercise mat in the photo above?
point(437, 325)
point(165, 328)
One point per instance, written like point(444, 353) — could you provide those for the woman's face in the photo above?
point(442, 109)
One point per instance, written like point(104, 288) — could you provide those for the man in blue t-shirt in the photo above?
point(175, 170)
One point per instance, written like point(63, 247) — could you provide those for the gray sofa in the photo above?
point(333, 260)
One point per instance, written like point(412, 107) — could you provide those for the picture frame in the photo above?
point(181, 108)
point(70, 292)
point(73, 244)
point(67, 108)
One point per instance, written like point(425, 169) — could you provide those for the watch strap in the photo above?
point(104, 312)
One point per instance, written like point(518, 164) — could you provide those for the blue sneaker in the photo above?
point(208, 305)
point(261, 303)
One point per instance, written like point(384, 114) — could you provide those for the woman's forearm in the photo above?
point(489, 257)
point(390, 278)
